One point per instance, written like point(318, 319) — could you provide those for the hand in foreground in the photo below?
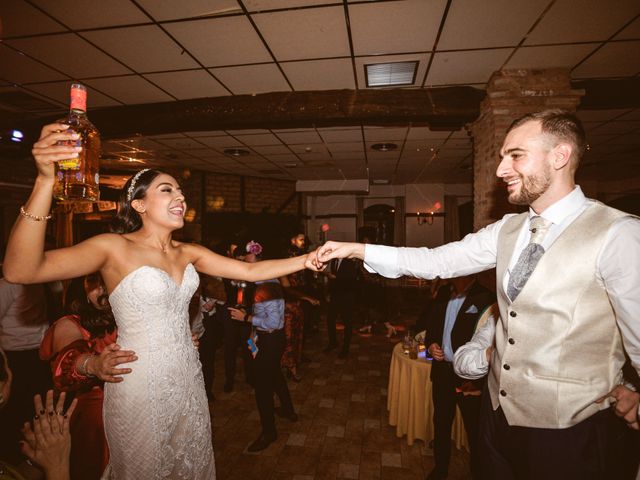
point(237, 314)
point(437, 353)
point(625, 403)
point(104, 365)
point(196, 340)
point(46, 150)
point(331, 250)
point(489, 352)
point(47, 440)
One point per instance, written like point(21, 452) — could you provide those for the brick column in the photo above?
point(510, 94)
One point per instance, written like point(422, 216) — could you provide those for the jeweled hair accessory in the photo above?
point(133, 183)
point(254, 247)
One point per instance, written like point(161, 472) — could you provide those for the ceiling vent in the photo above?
point(236, 152)
point(391, 74)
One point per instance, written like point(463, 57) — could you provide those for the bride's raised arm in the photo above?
point(25, 259)
point(211, 263)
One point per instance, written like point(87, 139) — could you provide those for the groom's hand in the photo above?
point(331, 250)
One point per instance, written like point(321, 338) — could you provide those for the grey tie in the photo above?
point(529, 257)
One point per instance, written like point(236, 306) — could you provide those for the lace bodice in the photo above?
point(157, 419)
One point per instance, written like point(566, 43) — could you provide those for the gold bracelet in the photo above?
point(33, 217)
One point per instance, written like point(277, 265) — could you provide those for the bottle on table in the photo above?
point(77, 179)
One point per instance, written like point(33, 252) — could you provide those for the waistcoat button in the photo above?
point(506, 366)
point(513, 314)
point(503, 393)
point(512, 341)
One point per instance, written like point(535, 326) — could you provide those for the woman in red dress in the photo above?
point(88, 328)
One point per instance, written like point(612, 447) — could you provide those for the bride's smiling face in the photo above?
point(163, 202)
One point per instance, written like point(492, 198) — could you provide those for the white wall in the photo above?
point(417, 197)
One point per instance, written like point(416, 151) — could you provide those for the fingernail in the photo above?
point(42, 412)
point(36, 416)
point(51, 413)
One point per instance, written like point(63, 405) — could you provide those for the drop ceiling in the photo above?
point(146, 51)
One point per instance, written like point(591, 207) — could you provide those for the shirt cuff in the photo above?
point(381, 259)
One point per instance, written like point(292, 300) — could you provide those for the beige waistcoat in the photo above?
point(558, 348)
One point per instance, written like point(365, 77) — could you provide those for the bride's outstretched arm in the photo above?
point(25, 259)
point(213, 264)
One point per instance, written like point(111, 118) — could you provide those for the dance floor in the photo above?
point(343, 430)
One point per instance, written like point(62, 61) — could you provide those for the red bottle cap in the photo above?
point(78, 97)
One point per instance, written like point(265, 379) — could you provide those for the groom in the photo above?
point(569, 309)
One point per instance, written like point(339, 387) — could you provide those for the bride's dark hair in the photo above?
point(127, 220)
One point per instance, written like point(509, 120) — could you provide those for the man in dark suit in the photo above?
point(343, 275)
point(450, 323)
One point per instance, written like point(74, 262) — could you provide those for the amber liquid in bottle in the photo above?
point(77, 179)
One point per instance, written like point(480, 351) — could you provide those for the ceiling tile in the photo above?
point(262, 139)
point(297, 34)
point(248, 131)
point(632, 32)
point(300, 138)
point(548, 57)
point(452, 68)
point(220, 143)
point(332, 135)
point(283, 157)
point(425, 133)
point(345, 147)
point(188, 84)
point(20, 18)
point(18, 68)
point(395, 27)
point(70, 54)
point(181, 143)
point(220, 41)
point(193, 8)
point(320, 74)
point(271, 149)
point(252, 79)
point(261, 5)
point(614, 59)
point(582, 21)
point(130, 89)
point(93, 13)
point(384, 134)
point(144, 49)
point(207, 133)
point(60, 91)
point(422, 60)
point(472, 23)
point(315, 150)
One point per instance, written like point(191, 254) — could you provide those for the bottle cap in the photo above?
point(78, 97)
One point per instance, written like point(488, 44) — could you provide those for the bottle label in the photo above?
point(78, 98)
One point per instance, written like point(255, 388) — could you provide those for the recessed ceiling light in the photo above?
point(236, 152)
point(391, 74)
point(384, 147)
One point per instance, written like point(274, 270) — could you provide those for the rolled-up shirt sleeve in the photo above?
point(470, 360)
point(474, 253)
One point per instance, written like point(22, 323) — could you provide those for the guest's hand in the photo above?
point(48, 442)
point(311, 300)
point(331, 250)
point(195, 340)
point(46, 150)
point(436, 352)
point(237, 314)
point(626, 405)
point(104, 365)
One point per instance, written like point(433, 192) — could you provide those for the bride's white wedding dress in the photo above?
point(157, 420)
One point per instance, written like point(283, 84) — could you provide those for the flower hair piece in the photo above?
point(133, 183)
point(254, 247)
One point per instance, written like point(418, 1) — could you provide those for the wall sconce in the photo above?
point(425, 218)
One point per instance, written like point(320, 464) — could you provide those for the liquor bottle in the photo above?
point(77, 179)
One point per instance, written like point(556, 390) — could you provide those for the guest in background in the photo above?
point(294, 332)
point(451, 323)
point(343, 277)
point(267, 321)
point(86, 333)
point(238, 292)
point(23, 322)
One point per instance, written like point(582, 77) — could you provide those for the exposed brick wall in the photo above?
point(223, 187)
point(268, 195)
point(510, 95)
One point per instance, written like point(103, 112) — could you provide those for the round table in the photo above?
point(409, 400)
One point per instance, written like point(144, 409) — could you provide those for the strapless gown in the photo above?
point(157, 420)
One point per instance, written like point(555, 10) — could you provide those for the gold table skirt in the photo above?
point(409, 400)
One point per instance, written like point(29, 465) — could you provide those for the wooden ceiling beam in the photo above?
point(440, 108)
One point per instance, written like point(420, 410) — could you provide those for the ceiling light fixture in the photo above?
point(384, 147)
point(391, 74)
point(236, 152)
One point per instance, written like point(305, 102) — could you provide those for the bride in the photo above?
point(156, 416)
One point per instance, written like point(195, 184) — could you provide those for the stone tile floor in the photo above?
point(343, 430)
